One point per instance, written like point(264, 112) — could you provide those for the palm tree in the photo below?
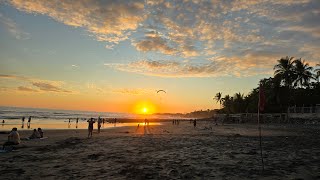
point(284, 71)
point(317, 71)
point(238, 102)
point(303, 73)
point(219, 98)
point(227, 103)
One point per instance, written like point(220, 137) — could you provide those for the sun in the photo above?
point(145, 110)
point(144, 107)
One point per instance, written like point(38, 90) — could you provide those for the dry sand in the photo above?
point(167, 152)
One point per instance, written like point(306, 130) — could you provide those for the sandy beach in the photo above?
point(167, 152)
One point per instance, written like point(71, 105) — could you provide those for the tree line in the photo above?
point(295, 83)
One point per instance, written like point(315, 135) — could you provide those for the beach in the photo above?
point(168, 151)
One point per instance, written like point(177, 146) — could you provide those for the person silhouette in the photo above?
point(90, 127)
point(23, 119)
point(29, 121)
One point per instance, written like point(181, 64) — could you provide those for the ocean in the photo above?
point(59, 119)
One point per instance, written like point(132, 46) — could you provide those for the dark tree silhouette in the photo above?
point(317, 72)
point(291, 85)
point(284, 70)
point(218, 98)
point(303, 73)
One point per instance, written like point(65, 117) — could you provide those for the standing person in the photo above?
point(3, 122)
point(90, 127)
point(29, 121)
point(13, 138)
point(99, 124)
point(23, 119)
point(77, 123)
point(194, 123)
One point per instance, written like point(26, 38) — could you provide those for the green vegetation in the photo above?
point(295, 83)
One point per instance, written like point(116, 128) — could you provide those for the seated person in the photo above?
point(34, 135)
point(13, 138)
point(40, 132)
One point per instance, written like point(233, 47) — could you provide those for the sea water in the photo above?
point(59, 119)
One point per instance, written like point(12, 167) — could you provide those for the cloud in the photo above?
point(26, 89)
point(216, 35)
point(311, 53)
point(130, 91)
point(212, 68)
point(13, 28)
point(42, 85)
point(106, 20)
point(313, 31)
point(14, 77)
point(155, 44)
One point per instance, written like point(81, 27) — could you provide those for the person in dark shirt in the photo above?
point(90, 127)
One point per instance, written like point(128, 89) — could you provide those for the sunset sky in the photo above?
point(115, 55)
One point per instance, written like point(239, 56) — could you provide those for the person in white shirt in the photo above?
point(13, 138)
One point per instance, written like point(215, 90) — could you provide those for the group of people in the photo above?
point(176, 122)
point(28, 123)
point(36, 134)
point(91, 121)
point(14, 137)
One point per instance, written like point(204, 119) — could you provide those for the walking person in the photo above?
point(90, 127)
point(23, 119)
point(29, 121)
point(99, 124)
point(194, 123)
point(77, 120)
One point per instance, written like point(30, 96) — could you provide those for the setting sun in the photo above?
point(144, 107)
point(145, 110)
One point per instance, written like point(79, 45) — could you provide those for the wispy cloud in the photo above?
point(13, 28)
point(109, 89)
point(44, 86)
point(74, 66)
point(40, 84)
point(129, 91)
point(26, 89)
point(214, 68)
point(8, 76)
point(107, 20)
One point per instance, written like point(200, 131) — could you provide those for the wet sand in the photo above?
point(168, 152)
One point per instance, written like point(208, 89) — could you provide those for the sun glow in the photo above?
point(145, 110)
point(144, 107)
